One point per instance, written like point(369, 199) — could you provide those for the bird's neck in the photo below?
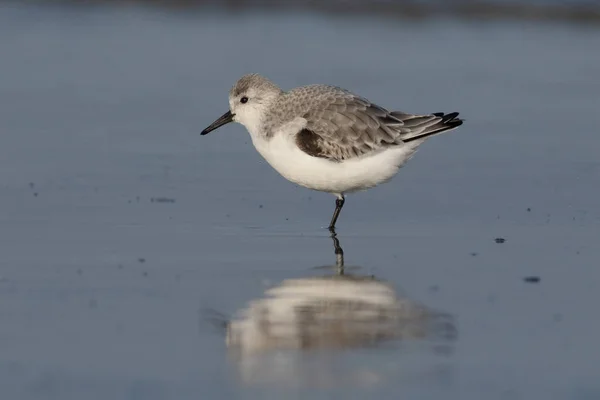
point(254, 125)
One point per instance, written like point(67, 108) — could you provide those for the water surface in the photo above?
point(120, 226)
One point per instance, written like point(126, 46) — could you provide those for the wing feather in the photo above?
point(343, 125)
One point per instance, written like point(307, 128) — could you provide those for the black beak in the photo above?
point(222, 120)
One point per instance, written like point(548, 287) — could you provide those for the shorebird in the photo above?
point(327, 138)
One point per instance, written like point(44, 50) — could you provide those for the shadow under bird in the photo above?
point(326, 138)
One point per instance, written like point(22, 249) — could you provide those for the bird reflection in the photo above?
point(335, 311)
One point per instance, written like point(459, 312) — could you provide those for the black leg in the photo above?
point(339, 203)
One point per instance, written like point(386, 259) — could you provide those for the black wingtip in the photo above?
point(448, 121)
point(448, 117)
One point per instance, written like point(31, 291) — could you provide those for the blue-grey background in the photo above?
point(119, 224)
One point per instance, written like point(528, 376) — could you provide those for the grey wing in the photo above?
point(349, 126)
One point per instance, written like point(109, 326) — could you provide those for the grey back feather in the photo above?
point(344, 125)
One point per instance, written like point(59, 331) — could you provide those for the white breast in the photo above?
point(282, 153)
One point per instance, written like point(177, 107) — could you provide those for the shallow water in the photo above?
point(125, 236)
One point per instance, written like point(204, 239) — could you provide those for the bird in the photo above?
point(326, 138)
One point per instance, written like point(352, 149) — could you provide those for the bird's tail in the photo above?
point(417, 127)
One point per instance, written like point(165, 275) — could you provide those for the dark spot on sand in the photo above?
point(36, 194)
point(474, 254)
point(528, 209)
point(557, 317)
point(532, 279)
point(141, 260)
point(260, 206)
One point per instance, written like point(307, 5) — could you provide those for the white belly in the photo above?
point(321, 174)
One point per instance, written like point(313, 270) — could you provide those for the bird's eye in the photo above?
point(244, 99)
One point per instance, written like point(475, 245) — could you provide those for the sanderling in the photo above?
point(326, 138)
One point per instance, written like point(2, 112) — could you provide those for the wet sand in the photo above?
point(129, 242)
